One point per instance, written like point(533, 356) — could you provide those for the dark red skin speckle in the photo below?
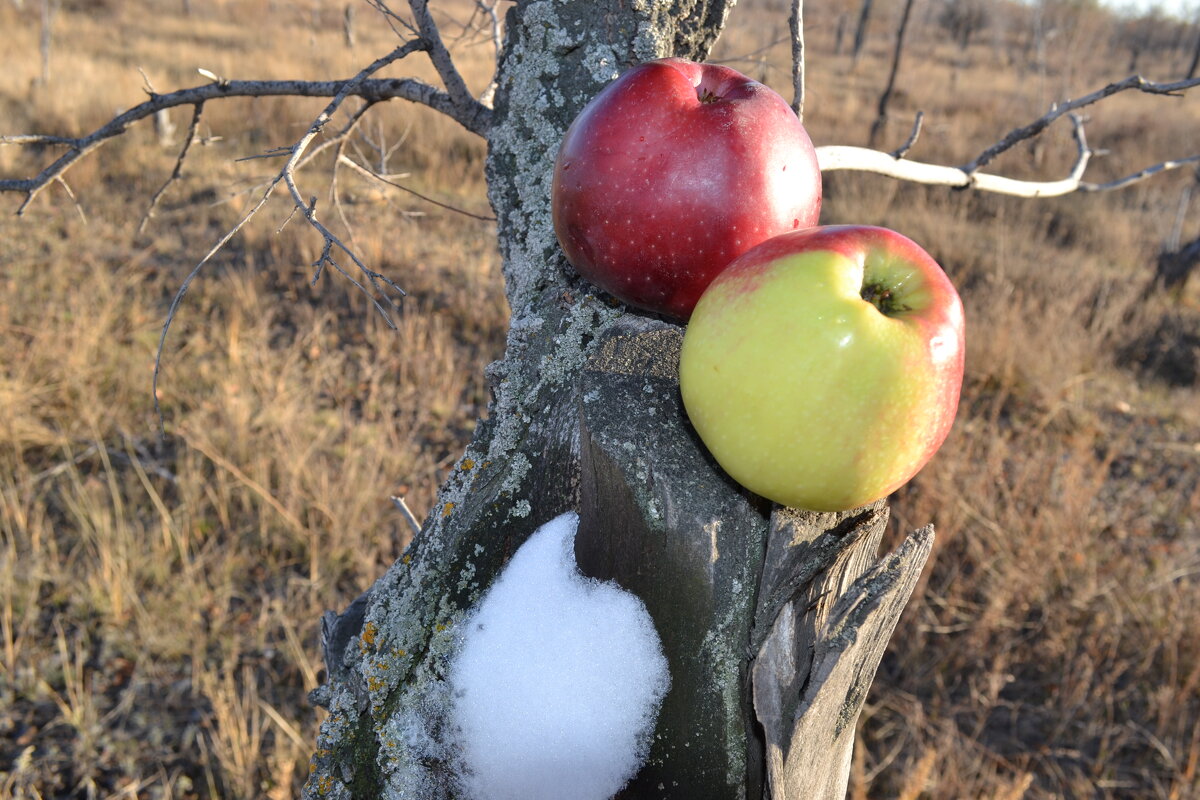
point(656, 190)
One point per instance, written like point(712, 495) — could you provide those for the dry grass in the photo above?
point(159, 600)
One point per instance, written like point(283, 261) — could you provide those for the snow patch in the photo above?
point(559, 680)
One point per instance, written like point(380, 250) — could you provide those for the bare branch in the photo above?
point(866, 160)
point(197, 111)
point(796, 24)
point(1140, 175)
point(902, 151)
point(361, 170)
point(497, 46)
point(67, 188)
point(1018, 135)
point(456, 87)
point(287, 176)
point(885, 98)
point(475, 118)
point(967, 176)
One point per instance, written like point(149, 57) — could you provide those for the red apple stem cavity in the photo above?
point(706, 89)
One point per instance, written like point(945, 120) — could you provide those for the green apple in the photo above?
point(822, 368)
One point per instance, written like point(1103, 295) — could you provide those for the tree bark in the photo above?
point(586, 415)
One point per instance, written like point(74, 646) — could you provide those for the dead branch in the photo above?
point(968, 176)
point(903, 149)
point(865, 160)
point(497, 47)
point(885, 98)
point(197, 111)
point(456, 87)
point(287, 176)
point(372, 175)
point(1018, 135)
point(1121, 183)
point(476, 117)
point(796, 24)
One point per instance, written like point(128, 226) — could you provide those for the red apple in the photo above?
point(822, 368)
point(674, 170)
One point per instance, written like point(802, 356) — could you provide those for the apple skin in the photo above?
point(808, 394)
point(671, 172)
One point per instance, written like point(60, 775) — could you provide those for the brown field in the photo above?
point(159, 600)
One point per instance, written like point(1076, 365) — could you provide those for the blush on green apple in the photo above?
point(822, 369)
point(674, 170)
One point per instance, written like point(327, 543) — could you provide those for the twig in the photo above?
point(183, 288)
point(67, 188)
point(197, 111)
point(287, 176)
point(497, 47)
point(796, 24)
point(371, 174)
point(408, 514)
point(885, 98)
point(902, 151)
point(1140, 175)
point(393, 19)
point(1018, 135)
point(476, 118)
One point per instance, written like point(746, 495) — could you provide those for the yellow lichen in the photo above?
point(368, 634)
point(446, 509)
point(468, 464)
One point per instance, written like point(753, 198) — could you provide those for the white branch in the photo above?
point(863, 159)
point(968, 176)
